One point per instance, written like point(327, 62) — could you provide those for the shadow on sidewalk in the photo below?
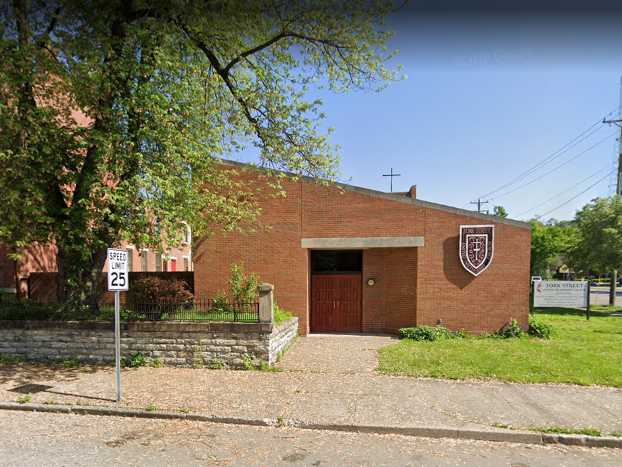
point(24, 373)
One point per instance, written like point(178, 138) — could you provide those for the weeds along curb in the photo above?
point(522, 437)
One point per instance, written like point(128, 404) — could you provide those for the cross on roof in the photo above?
point(391, 175)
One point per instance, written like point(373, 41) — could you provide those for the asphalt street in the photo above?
point(37, 439)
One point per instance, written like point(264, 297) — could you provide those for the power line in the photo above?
point(557, 167)
point(566, 190)
point(585, 134)
point(574, 197)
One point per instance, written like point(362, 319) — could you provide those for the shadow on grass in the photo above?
point(573, 312)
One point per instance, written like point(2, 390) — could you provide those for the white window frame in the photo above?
point(187, 239)
point(144, 253)
point(130, 254)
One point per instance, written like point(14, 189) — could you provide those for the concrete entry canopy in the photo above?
point(361, 242)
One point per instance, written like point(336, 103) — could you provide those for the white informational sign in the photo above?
point(118, 278)
point(562, 294)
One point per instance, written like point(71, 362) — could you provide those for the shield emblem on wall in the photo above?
point(476, 247)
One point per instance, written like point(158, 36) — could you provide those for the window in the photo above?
point(336, 261)
point(187, 235)
point(130, 259)
point(144, 265)
point(158, 262)
point(186, 263)
point(172, 265)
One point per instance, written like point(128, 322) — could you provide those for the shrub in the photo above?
point(156, 290)
point(428, 333)
point(220, 304)
point(539, 329)
point(247, 362)
point(281, 315)
point(135, 361)
point(153, 296)
point(511, 329)
point(27, 310)
point(243, 287)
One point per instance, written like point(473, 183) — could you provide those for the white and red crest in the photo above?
point(476, 247)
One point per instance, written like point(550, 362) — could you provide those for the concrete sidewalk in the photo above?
point(314, 393)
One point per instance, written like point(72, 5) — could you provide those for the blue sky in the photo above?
point(483, 101)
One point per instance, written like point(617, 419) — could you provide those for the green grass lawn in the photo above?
point(580, 352)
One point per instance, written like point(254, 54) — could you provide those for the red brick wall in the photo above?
point(391, 302)
point(461, 300)
point(7, 269)
point(414, 285)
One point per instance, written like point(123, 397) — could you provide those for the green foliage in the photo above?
point(165, 91)
point(136, 360)
point(588, 431)
point(26, 310)
point(10, 360)
point(427, 333)
point(32, 311)
point(247, 362)
point(25, 399)
point(220, 304)
point(217, 364)
point(265, 366)
point(71, 363)
point(511, 329)
point(500, 211)
point(539, 328)
point(569, 356)
point(550, 244)
point(281, 315)
point(243, 287)
point(152, 407)
point(599, 224)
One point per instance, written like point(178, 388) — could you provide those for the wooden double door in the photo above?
point(336, 302)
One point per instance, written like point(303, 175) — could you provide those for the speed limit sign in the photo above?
point(117, 270)
point(118, 280)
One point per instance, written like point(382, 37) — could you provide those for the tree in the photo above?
point(549, 243)
point(600, 245)
point(114, 114)
point(500, 211)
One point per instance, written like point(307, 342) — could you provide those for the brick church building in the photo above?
point(350, 259)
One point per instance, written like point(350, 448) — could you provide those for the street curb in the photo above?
point(522, 437)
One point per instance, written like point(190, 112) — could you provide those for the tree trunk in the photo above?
point(612, 287)
point(79, 280)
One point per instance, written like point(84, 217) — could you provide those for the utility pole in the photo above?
point(618, 122)
point(479, 203)
point(391, 175)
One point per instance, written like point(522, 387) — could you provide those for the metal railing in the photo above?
point(202, 309)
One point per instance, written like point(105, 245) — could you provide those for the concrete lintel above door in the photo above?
point(361, 242)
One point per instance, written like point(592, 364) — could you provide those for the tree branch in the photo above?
point(277, 38)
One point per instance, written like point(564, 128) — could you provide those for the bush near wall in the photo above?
point(42, 285)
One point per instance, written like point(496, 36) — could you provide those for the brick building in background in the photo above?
point(349, 259)
point(42, 258)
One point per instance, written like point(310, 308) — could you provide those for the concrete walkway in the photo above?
point(327, 379)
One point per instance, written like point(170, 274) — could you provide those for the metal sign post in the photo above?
point(117, 341)
point(589, 304)
point(118, 280)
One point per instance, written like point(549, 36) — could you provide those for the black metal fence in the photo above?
point(202, 309)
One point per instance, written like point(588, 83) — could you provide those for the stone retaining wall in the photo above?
point(213, 344)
